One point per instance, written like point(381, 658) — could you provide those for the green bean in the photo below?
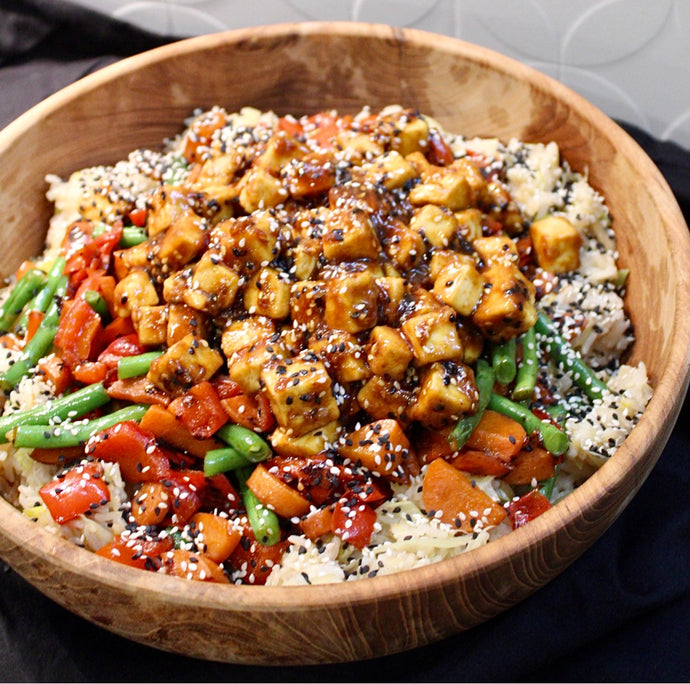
point(245, 442)
point(132, 236)
point(24, 289)
point(223, 459)
point(264, 522)
point(526, 379)
point(40, 343)
point(546, 486)
point(503, 360)
point(99, 229)
point(45, 296)
point(134, 366)
point(484, 379)
point(96, 301)
point(72, 405)
point(554, 440)
point(563, 353)
point(62, 436)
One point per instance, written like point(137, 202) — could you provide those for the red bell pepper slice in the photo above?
point(75, 492)
point(127, 345)
point(95, 254)
point(136, 451)
point(144, 554)
point(77, 330)
point(256, 559)
point(528, 507)
point(353, 521)
point(200, 410)
point(138, 217)
point(220, 495)
point(253, 412)
point(438, 150)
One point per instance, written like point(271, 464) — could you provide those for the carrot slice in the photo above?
point(480, 463)
point(536, 464)
point(218, 536)
point(274, 493)
point(498, 435)
point(169, 429)
point(193, 565)
point(317, 523)
point(456, 500)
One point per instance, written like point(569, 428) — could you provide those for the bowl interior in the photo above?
point(303, 69)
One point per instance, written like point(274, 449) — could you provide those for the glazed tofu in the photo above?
point(437, 224)
point(475, 180)
point(344, 357)
point(460, 286)
point(351, 302)
point(412, 137)
point(151, 324)
point(183, 320)
point(300, 393)
point(183, 241)
point(245, 332)
point(391, 291)
point(349, 235)
point(507, 306)
point(134, 290)
point(260, 190)
point(281, 148)
point(447, 257)
point(403, 244)
point(469, 224)
point(167, 205)
point(307, 303)
point(442, 186)
point(447, 392)
point(383, 397)
point(390, 170)
point(433, 336)
point(184, 364)
point(307, 445)
point(246, 365)
point(556, 244)
point(247, 243)
point(311, 175)
point(496, 249)
point(268, 294)
point(388, 352)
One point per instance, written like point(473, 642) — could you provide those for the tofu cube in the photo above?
point(442, 186)
point(134, 290)
point(433, 336)
point(351, 302)
point(183, 321)
point(307, 303)
point(437, 224)
point(349, 235)
point(447, 257)
point(343, 355)
point(260, 190)
point(246, 364)
point(469, 224)
point(311, 175)
point(280, 149)
point(391, 170)
point(184, 364)
point(183, 241)
point(245, 332)
point(308, 445)
point(496, 249)
point(151, 324)
point(268, 294)
point(358, 147)
point(212, 287)
point(388, 352)
point(391, 291)
point(383, 397)
point(447, 392)
point(507, 307)
point(556, 244)
point(460, 286)
point(403, 244)
point(299, 390)
point(413, 137)
point(166, 205)
point(475, 180)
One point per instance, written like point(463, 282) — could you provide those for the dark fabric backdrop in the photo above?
point(619, 613)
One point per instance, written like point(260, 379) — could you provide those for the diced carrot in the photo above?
point(200, 410)
point(10, 341)
point(317, 522)
point(382, 447)
point(433, 444)
point(169, 429)
point(193, 565)
point(141, 553)
point(460, 503)
point(58, 456)
point(55, 371)
point(255, 558)
point(33, 322)
point(479, 463)
point(150, 504)
point(276, 494)
point(536, 464)
point(137, 390)
point(89, 372)
point(527, 508)
point(498, 435)
point(218, 536)
point(253, 412)
point(23, 268)
point(290, 126)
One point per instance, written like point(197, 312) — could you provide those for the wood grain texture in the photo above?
point(304, 68)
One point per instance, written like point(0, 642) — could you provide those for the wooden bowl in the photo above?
point(303, 68)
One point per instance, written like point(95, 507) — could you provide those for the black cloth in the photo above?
point(619, 613)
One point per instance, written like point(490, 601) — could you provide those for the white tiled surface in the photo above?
point(629, 57)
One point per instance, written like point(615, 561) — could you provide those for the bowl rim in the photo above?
point(666, 401)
